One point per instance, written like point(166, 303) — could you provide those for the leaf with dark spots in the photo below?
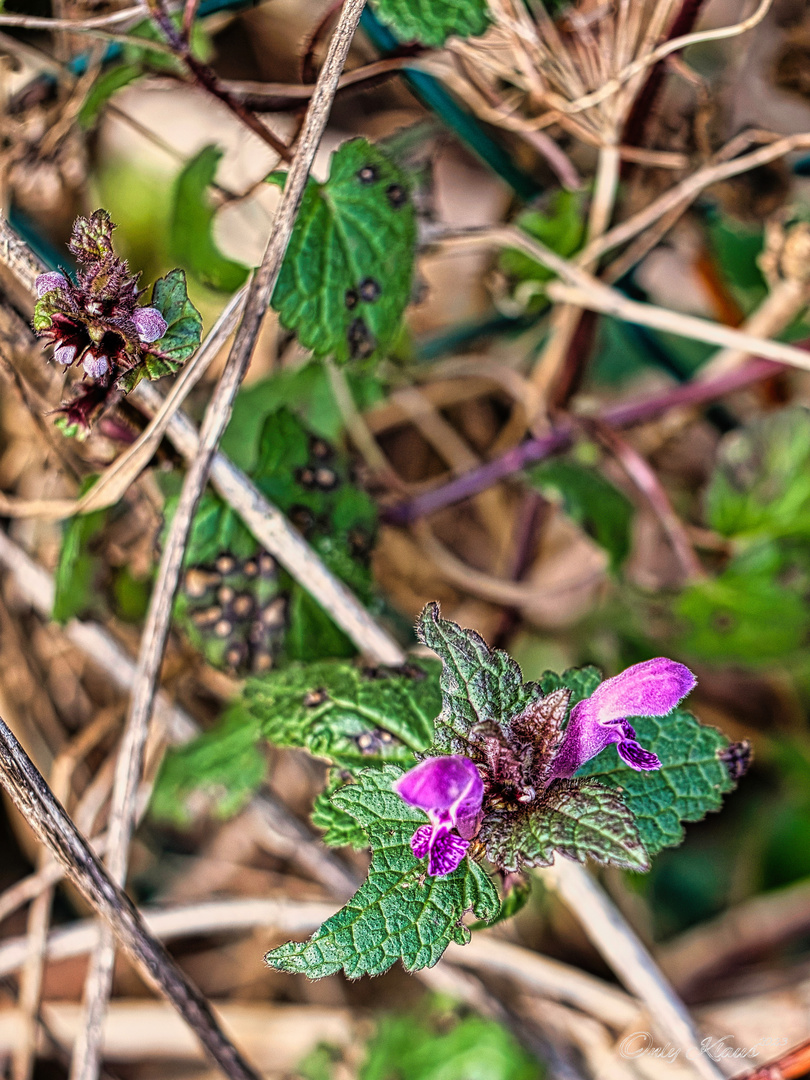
point(346, 277)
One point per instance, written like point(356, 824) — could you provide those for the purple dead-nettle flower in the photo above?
point(96, 321)
point(652, 688)
point(450, 791)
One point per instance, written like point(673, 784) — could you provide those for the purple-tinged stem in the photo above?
point(560, 438)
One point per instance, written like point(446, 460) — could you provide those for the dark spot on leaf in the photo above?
point(369, 290)
point(242, 606)
point(225, 564)
point(397, 195)
point(302, 517)
point(359, 543)
point(367, 175)
point(207, 617)
point(321, 450)
point(305, 477)
point(723, 622)
point(312, 698)
point(361, 340)
point(351, 299)
point(325, 479)
point(251, 568)
point(737, 757)
point(223, 628)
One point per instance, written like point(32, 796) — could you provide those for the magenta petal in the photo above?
point(652, 688)
point(447, 788)
point(446, 853)
point(420, 841)
point(149, 323)
point(46, 283)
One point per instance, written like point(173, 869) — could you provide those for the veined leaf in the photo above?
point(398, 912)
point(578, 818)
point(346, 276)
point(350, 716)
point(691, 781)
point(433, 21)
point(479, 684)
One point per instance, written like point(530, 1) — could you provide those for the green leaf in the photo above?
point(691, 781)
point(760, 486)
point(102, 90)
point(346, 276)
point(78, 571)
point(398, 912)
point(431, 22)
point(561, 228)
point(339, 828)
point(580, 681)
point(218, 772)
point(603, 511)
point(742, 615)
point(478, 684)
point(581, 819)
point(348, 715)
point(307, 392)
point(411, 1048)
point(184, 322)
point(191, 240)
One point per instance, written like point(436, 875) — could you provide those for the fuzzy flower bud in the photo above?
point(64, 354)
point(46, 283)
point(149, 323)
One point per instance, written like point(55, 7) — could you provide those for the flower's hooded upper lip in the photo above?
point(652, 688)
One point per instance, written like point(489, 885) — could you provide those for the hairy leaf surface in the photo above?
point(348, 715)
point(582, 819)
point(691, 781)
point(433, 21)
point(479, 685)
point(346, 276)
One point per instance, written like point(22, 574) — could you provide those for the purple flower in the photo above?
point(65, 354)
point(149, 323)
point(46, 283)
point(95, 366)
point(450, 791)
point(652, 688)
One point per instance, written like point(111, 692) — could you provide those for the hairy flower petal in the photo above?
point(652, 688)
point(446, 788)
point(450, 791)
point(64, 354)
point(95, 366)
point(149, 323)
point(46, 283)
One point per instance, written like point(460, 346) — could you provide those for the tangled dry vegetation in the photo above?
point(649, 302)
